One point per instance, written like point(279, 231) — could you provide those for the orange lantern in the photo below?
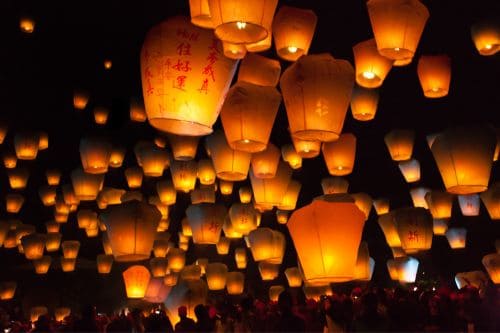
point(235, 283)
point(234, 51)
point(176, 259)
point(166, 192)
point(267, 245)
point(418, 197)
point(223, 245)
point(104, 263)
point(265, 163)
point(340, 155)
point(53, 177)
point(270, 191)
point(400, 144)
point(33, 246)
point(364, 203)
point(108, 64)
point(229, 164)
point(244, 218)
point(388, 226)
point(53, 241)
point(317, 103)
point(245, 194)
point(226, 187)
point(293, 276)
point(80, 99)
point(440, 204)
point(158, 266)
point(403, 269)
point(410, 170)
point(14, 202)
point(200, 14)
point(364, 103)
point(262, 45)
point(364, 264)
point(70, 249)
point(282, 216)
point(7, 290)
point(475, 279)
point(137, 111)
point(86, 218)
point(397, 26)
point(9, 160)
point(51, 226)
point(184, 175)
point(26, 145)
point(414, 227)
point(439, 226)
point(457, 237)
point(68, 264)
point(492, 264)
point(86, 185)
point(43, 141)
point(18, 178)
point(136, 279)
point(293, 30)
point(116, 157)
point(486, 37)
point(469, 204)
point(152, 159)
point(333, 185)
point(371, 67)
point(183, 147)
point(69, 195)
point(306, 148)
point(268, 271)
point(188, 100)
point(491, 200)
point(134, 177)
point(101, 115)
point(206, 222)
point(61, 313)
point(27, 25)
point(464, 157)
point(434, 73)
point(259, 70)
point(206, 172)
point(291, 156)
point(42, 264)
point(289, 200)
point(240, 257)
point(216, 276)
point(186, 228)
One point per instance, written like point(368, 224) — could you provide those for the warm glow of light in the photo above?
point(396, 49)
point(369, 75)
point(292, 49)
point(108, 64)
point(488, 46)
point(241, 25)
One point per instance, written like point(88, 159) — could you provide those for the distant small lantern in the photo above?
point(70, 249)
point(464, 157)
point(259, 70)
point(216, 276)
point(176, 259)
point(53, 177)
point(418, 196)
point(293, 277)
point(152, 159)
point(397, 26)
point(160, 141)
point(234, 51)
point(270, 191)
point(265, 163)
point(171, 279)
point(414, 226)
point(333, 185)
point(405, 269)
point(364, 103)
point(317, 103)
point(158, 266)
point(95, 155)
point(38, 311)
point(104, 263)
point(27, 25)
point(491, 200)
point(3, 131)
point(86, 218)
point(245, 194)
point(235, 283)
point(306, 148)
point(469, 204)
point(42, 264)
point(43, 141)
point(340, 155)
point(200, 14)
point(229, 164)
point(134, 177)
point(68, 264)
point(166, 192)
point(371, 67)
point(26, 145)
point(7, 290)
point(289, 200)
point(457, 237)
point(434, 73)
point(184, 175)
point(61, 313)
point(291, 156)
point(137, 112)
point(53, 241)
point(206, 222)
point(282, 216)
point(86, 186)
point(440, 204)
point(136, 279)
point(410, 170)
point(244, 218)
point(101, 115)
point(116, 157)
point(107, 64)
point(240, 257)
point(439, 226)
point(492, 264)
point(9, 160)
point(486, 37)
point(190, 272)
point(223, 245)
point(33, 246)
point(80, 99)
point(400, 144)
point(267, 245)
point(50, 226)
point(14, 202)
point(186, 228)
point(183, 147)
point(206, 172)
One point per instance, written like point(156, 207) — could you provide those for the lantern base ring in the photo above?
point(180, 127)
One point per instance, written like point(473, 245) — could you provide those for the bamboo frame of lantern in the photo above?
point(18, 178)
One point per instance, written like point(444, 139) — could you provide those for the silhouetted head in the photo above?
point(182, 311)
point(285, 301)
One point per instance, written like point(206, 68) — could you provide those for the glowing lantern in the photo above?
point(27, 25)
point(400, 144)
point(69, 195)
point(104, 263)
point(136, 279)
point(152, 159)
point(50, 226)
point(245, 194)
point(265, 163)
point(7, 290)
point(306, 148)
point(414, 227)
point(158, 266)
point(14, 202)
point(418, 196)
point(289, 200)
point(131, 228)
point(70, 249)
point(137, 112)
point(166, 192)
point(3, 132)
point(364, 103)
point(92, 232)
point(317, 103)
point(9, 160)
point(38, 311)
point(293, 277)
point(364, 203)
point(439, 226)
point(291, 156)
point(157, 291)
point(53, 177)
point(234, 51)
point(267, 244)
point(486, 37)
point(270, 191)
point(61, 313)
point(184, 175)
point(200, 14)
point(134, 177)
point(475, 279)
point(170, 279)
point(42, 264)
point(464, 157)
point(206, 172)
point(397, 26)
point(86, 218)
point(434, 73)
point(371, 67)
point(33, 246)
point(204, 194)
point(80, 99)
point(216, 276)
point(259, 70)
point(184, 104)
point(492, 264)
point(101, 115)
point(491, 200)
point(86, 186)
point(61, 217)
point(440, 204)
point(223, 245)
point(176, 259)
point(340, 155)
point(469, 204)
point(262, 45)
point(206, 222)
point(363, 271)
point(43, 141)
point(243, 218)
point(456, 237)
point(116, 157)
point(52, 241)
point(240, 257)
point(68, 264)
point(268, 271)
point(293, 30)
point(183, 147)
point(235, 283)
point(388, 226)
point(403, 269)
point(161, 245)
point(229, 164)
point(410, 170)
point(190, 272)
point(282, 216)
point(186, 228)
point(333, 185)
point(26, 145)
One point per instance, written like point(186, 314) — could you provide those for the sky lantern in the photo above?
point(7, 290)
point(235, 283)
point(226, 187)
point(364, 103)
point(33, 246)
point(104, 263)
point(206, 222)
point(439, 226)
point(244, 217)
point(176, 259)
point(200, 14)
point(434, 74)
point(306, 148)
point(397, 26)
point(70, 249)
point(340, 155)
point(457, 237)
point(85, 185)
point(265, 163)
point(14, 202)
point(414, 226)
point(86, 218)
point(440, 204)
point(475, 279)
point(161, 244)
point(234, 51)
point(245, 194)
point(259, 70)
point(152, 159)
point(262, 45)
point(68, 264)
point(293, 277)
point(248, 115)
point(316, 103)
point(27, 25)
point(136, 279)
point(364, 263)
point(270, 191)
point(26, 145)
point(364, 202)
point(268, 271)
point(289, 201)
point(53, 241)
point(50, 226)
point(158, 266)
point(229, 164)
point(61, 312)
point(410, 170)
point(186, 228)
point(418, 196)
point(95, 154)
point(37, 311)
point(216, 276)
point(275, 291)
point(134, 177)
point(3, 131)
point(291, 156)
point(9, 160)
point(491, 200)
point(237, 21)
point(101, 115)
point(206, 172)
point(204, 194)
point(229, 230)
point(464, 157)
point(157, 291)
point(43, 140)
point(53, 177)
point(137, 112)
point(69, 195)
point(486, 37)
point(400, 144)
point(42, 264)
point(187, 101)
point(116, 157)
point(131, 228)
point(469, 204)
point(492, 264)
point(223, 245)
point(282, 216)
point(166, 192)
point(371, 67)
point(293, 30)
point(267, 244)
point(184, 175)
point(240, 257)
point(388, 226)
point(406, 269)
point(80, 99)
point(183, 147)
point(326, 236)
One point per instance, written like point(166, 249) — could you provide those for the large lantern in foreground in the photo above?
point(371, 67)
point(183, 97)
point(340, 155)
point(206, 222)
point(414, 227)
point(492, 264)
point(136, 279)
point(397, 26)
point(326, 236)
point(464, 157)
point(229, 164)
point(434, 73)
point(317, 91)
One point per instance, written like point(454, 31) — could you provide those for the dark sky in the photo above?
point(39, 71)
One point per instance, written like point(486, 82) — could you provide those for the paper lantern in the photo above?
point(3, 131)
point(27, 25)
point(245, 194)
point(7, 290)
point(400, 144)
point(101, 115)
point(86, 218)
point(464, 157)
point(289, 200)
point(293, 30)
point(240, 257)
point(134, 177)
point(270, 191)
point(161, 245)
point(491, 200)
point(364, 203)
point(9, 160)
point(61, 313)
point(206, 172)
point(268, 271)
point(52, 241)
point(166, 192)
point(18, 178)
point(69, 195)
point(200, 14)
point(190, 272)
point(176, 259)
point(235, 283)
point(469, 204)
point(262, 45)
point(187, 101)
point(68, 264)
point(50, 226)
point(171, 279)
point(70, 249)
point(157, 291)
point(291, 156)
point(265, 163)
point(116, 157)
point(234, 51)
point(26, 145)
point(92, 232)
point(158, 266)
point(53, 177)
point(340, 155)
point(434, 73)
point(104, 263)
point(364, 264)
point(136, 279)
point(410, 170)
point(306, 148)
point(414, 226)
point(86, 186)
point(404, 269)
point(316, 103)
point(131, 228)
point(259, 70)
point(61, 217)
point(293, 277)
point(137, 111)
point(184, 175)
point(397, 26)
point(244, 218)
point(80, 99)
point(37, 311)
point(186, 228)
point(492, 264)
point(333, 185)
point(440, 204)
point(388, 226)
point(33, 246)
point(203, 194)
point(206, 222)
point(152, 159)
point(486, 37)
point(42, 264)
point(216, 276)
point(183, 147)
point(282, 216)
point(475, 279)
point(364, 103)
point(239, 21)
point(112, 196)
point(14, 202)
point(457, 237)
point(371, 67)
point(439, 226)
point(267, 245)
point(229, 164)
point(10, 241)
point(43, 141)
point(418, 196)
point(223, 245)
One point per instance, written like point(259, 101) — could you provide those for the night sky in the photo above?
point(39, 72)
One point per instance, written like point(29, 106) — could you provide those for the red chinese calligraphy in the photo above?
point(180, 82)
point(204, 86)
point(413, 236)
point(182, 66)
point(184, 49)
